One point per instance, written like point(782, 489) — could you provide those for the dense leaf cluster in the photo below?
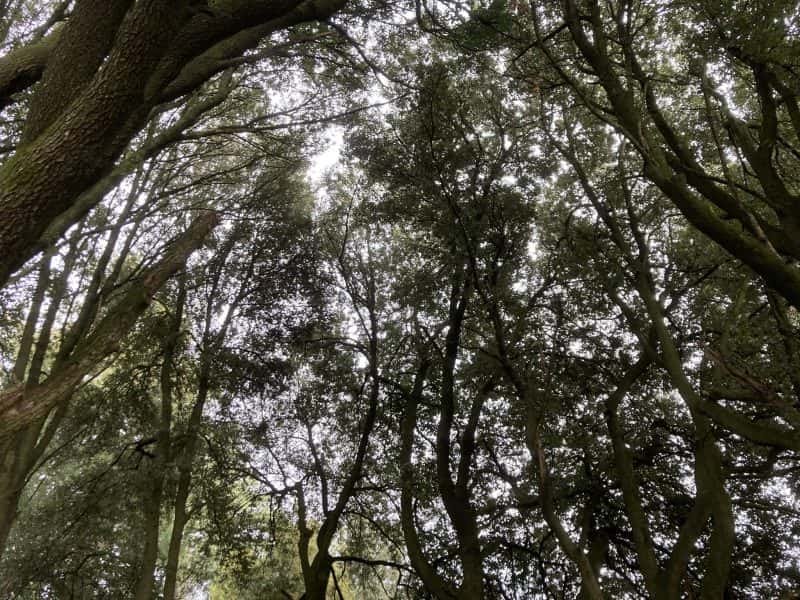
point(532, 332)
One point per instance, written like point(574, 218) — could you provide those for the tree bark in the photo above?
point(22, 67)
point(154, 42)
point(152, 146)
point(76, 56)
point(45, 176)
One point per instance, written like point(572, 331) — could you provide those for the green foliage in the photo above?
point(529, 214)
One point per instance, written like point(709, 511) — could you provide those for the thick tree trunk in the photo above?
point(319, 575)
point(79, 51)
point(45, 176)
point(73, 143)
point(152, 146)
point(712, 499)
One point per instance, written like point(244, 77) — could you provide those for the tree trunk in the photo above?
point(152, 512)
point(45, 176)
point(80, 50)
point(433, 582)
point(18, 453)
point(455, 496)
point(67, 153)
point(179, 520)
point(317, 583)
point(21, 406)
point(181, 515)
point(10, 487)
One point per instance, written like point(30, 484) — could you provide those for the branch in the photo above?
point(21, 405)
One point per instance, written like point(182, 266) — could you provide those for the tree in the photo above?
point(108, 68)
point(534, 333)
point(735, 186)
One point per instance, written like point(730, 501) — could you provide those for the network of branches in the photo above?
point(426, 299)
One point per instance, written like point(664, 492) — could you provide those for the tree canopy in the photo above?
point(356, 299)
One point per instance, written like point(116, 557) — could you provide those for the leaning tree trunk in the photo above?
point(20, 406)
point(10, 487)
point(117, 69)
point(210, 346)
point(22, 451)
point(19, 453)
